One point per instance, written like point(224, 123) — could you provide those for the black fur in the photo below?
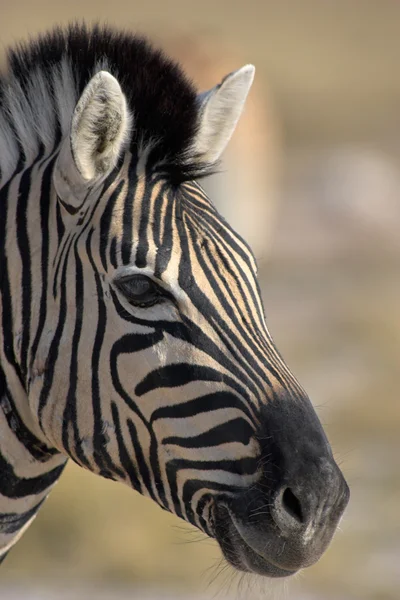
point(159, 94)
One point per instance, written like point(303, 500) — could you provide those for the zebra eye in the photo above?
point(139, 290)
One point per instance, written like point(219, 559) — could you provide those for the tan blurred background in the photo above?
point(313, 178)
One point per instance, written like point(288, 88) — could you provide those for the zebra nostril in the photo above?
point(292, 506)
point(288, 512)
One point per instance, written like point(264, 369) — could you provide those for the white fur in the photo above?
point(33, 118)
point(8, 150)
point(99, 130)
point(65, 94)
point(34, 113)
point(102, 102)
point(220, 109)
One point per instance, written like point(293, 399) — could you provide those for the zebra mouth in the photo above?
point(238, 552)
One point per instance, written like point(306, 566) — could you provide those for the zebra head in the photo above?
point(149, 360)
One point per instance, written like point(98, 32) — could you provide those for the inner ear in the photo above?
point(219, 112)
point(100, 128)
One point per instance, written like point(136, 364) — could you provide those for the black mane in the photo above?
point(161, 98)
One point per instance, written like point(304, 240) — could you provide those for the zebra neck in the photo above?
point(28, 470)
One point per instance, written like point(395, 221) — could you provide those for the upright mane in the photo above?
point(45, 78)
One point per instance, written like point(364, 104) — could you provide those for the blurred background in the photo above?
point(312, 179)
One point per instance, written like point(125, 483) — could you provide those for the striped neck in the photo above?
point(28, 470)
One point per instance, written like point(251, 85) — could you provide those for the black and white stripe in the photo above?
point(166, 398)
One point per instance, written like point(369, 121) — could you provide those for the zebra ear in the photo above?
point(220, 109)
point(99, 128)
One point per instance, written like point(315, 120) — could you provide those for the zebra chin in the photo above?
point(239, 553)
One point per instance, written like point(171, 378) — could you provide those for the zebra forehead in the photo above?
point(187, 214)
point(213, 233)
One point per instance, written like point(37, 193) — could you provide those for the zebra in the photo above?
point(133, 338)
